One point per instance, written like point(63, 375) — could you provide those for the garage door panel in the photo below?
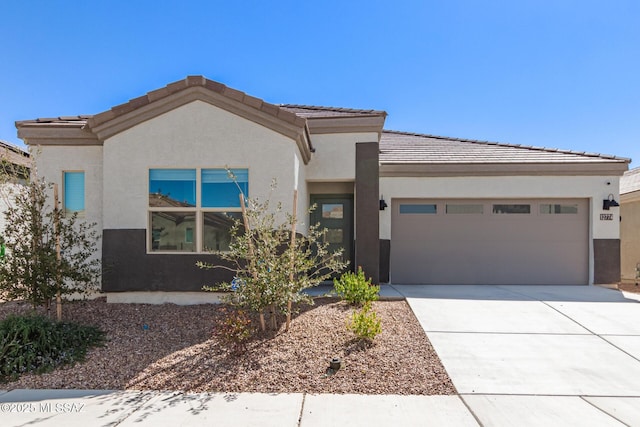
point(490, 248)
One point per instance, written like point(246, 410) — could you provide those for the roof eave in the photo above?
point(34, 133)
point(610, 168)
point(372, 123)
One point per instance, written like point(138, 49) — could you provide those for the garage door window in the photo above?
point(465, 209)
point(547, 208)
point(418, 209)
point(511, 209)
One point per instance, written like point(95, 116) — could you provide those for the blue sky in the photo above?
point(553, 73)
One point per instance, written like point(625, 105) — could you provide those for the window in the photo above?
point(546, 208)
point(465, 209)
point(219, 189)
point(73, 192)
point(418, 209)
point(511, 209)
point(183, 219)
point(335, 211)
point(172, 187)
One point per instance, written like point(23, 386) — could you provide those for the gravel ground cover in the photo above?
point(629, 287)
point(171, 347)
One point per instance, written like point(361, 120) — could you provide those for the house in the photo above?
point(408, 208)
point(15, 166)
point(630, 226)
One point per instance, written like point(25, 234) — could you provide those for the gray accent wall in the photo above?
point(606, 261)
point(367, 218)
point(127, 267)
point(385, 256)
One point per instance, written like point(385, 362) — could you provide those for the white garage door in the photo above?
point(535, 242)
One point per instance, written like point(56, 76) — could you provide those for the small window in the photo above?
point(334, 235)
point(511, 209)
point(172, 188)
point(546, 208)
point(419, 209)
point(188, 235)
point(465, 209)
point(73, 192)
point(220, 190)
point(335, 211)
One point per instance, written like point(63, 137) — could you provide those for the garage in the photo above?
point(486, 241)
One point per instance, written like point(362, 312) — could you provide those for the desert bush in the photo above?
point(31, 269)
point(235, 329)
point(355, 288)
point(365, 323)
point(34, 343)
point(271, 268)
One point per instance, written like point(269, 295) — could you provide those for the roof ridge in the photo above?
point(190, 82)
point(505, 144)
point(330, 108)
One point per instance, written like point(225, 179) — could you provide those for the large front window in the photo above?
point(192, 210)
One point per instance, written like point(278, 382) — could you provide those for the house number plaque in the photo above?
point(606, 217)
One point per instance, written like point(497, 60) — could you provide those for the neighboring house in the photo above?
point(15, 166)
point(151, 173)
point(630, 225)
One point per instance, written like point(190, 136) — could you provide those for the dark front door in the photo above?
point(335, 213)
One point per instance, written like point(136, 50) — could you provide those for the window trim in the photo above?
point(197, 209)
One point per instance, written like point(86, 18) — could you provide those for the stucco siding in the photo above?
point(52, 161)
point(334, 158)
point(195, 135)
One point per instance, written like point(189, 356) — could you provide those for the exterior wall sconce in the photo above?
point(383, 204)
point(609, 202)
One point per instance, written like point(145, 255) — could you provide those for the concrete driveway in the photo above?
point(536, 355)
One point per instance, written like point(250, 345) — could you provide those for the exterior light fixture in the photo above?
point(609, 202)
point(383, 204)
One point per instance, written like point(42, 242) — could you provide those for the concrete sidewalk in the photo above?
point(82, 408)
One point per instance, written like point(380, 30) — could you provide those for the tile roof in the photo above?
point(630, 181)
point(195, 81)
point(412, 148)
point(13, 154)
point(62, 120)
point(302, 111)
point(314, 111)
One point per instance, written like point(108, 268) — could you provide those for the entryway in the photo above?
point(335, 213)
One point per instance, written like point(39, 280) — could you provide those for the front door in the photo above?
point(335, 213)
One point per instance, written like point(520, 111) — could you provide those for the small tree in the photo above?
point(272, 264)
point(34, 268)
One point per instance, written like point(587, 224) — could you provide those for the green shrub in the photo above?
point(355, 288)
point(235, 329)
point(365, 323)
point(37, 344)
